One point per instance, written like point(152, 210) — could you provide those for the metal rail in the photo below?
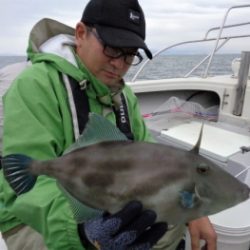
point(225, 27)
point(205, 39)
point(205, 59)
point(220, 32)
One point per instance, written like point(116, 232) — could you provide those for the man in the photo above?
point(41, 120)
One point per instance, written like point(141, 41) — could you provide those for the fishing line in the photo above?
point(175, 105)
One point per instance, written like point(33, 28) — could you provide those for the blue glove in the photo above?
point(132, 228)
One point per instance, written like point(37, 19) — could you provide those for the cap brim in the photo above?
point(122, 38)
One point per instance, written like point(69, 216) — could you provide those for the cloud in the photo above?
point(168, 21)
point(18, 17)
point(172, 22)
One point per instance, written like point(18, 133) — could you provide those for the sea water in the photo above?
point(165, 66)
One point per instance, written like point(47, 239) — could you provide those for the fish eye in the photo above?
point(202, 168)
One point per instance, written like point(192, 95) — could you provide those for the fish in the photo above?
point(104, 171)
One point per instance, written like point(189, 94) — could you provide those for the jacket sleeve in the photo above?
point(35, 124)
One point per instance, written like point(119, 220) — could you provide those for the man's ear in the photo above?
point(80, 33)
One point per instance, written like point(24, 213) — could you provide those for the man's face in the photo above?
point(90, 50)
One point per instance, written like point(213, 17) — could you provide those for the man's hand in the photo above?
point(202, 229)
point(131, 228)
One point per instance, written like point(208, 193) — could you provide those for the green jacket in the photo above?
point(38, 123)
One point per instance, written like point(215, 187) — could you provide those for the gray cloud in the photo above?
point(167, 21)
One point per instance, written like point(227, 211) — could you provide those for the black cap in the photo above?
point(119, 23)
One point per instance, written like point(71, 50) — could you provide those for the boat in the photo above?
point(175, 110)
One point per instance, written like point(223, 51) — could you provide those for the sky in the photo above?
point(168, 21)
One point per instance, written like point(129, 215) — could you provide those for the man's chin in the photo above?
point(111, 82)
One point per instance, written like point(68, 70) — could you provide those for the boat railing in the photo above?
point(217, 47)
point(226, 26)
point(220, 32)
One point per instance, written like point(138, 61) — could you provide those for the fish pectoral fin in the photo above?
point(98, 129)
point(201, 198)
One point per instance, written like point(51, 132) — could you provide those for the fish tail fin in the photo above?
point(16, 172)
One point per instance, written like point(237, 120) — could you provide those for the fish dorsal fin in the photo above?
point(196, 147)
point(98, 129)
